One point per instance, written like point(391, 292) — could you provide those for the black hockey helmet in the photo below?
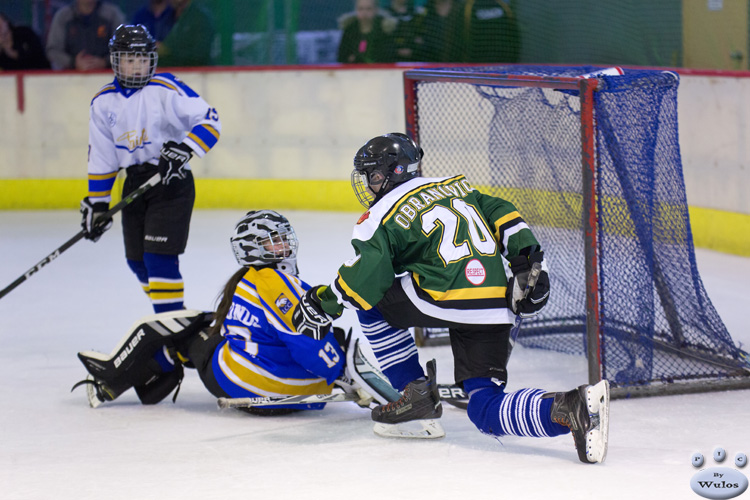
point(383, 163)
point(132, 52)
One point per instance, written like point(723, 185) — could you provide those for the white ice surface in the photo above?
point(53, 446)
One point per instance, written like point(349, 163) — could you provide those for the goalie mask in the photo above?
point(265, 238)
point(383, 163)
point(132, 52)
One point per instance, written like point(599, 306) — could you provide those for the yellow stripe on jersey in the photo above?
point(99, 194)
point(467, 293)
point(212, 130)
point(105, 89)
point(502, 220)
point(397, 205)
point(281, 293)
point(198, 141)
point(163, 83)
point(248, 294)
point(102, 177)
point(362, 303)
point(253, 378)
point(462, 293)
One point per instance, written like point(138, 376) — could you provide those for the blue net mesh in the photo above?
point(524, 144)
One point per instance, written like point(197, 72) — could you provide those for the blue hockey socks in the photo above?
point(394, 349)
point(140, 271)
point(165, 285)
point(520, 413)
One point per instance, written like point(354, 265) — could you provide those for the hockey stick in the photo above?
point(536, 270)
point(364, 373)
point(286, 400)
point(153, 181)
point(449, 393)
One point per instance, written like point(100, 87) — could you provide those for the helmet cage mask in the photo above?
point(363, 183)
point(265, 238)
point(133, 69)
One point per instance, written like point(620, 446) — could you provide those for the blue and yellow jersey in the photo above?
point(262, 354)
point(129, 126)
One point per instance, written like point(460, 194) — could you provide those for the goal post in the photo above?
point(593, 165)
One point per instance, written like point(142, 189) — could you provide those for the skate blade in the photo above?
point(415, 429)
point(597, 399)
point(94, 400)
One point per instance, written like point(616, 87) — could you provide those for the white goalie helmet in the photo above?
point(265, 238)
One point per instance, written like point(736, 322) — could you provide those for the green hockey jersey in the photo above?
point(445, 241)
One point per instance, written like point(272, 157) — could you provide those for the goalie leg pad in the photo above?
point(159, 386)
point(364, 374)
point(129, 363)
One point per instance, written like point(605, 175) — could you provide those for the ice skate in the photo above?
point(415, 414)
point(585, 411)
point(98, 391)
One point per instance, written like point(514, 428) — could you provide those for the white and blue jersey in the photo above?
point(129, 126)
point(262, 354)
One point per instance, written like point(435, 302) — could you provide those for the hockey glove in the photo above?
point(309, 318)
point(93, 221)
point(527, 299)
point(173, 159)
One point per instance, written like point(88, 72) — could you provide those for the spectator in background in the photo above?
point(79, 34)
point(491, 32)
point(367, 36)
point(20, 47)
point(190, 40)
point(440, 31)
point(404, 36)
point(157, 16)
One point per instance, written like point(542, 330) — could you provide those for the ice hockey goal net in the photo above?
point(593, 165)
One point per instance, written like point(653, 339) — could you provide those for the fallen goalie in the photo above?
point(247, 354)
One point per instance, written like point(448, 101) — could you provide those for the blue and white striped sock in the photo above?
point(394, 349)
point(519, 413)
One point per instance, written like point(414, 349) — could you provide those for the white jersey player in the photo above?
point(146, 123)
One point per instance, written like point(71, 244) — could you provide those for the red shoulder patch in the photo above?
point(364, 217)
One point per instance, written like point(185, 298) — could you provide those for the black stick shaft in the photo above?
point(72, 241)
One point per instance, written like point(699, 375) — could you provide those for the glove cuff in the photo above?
point(99, 206)
point(519, 264)
point(328, 301)
point(536, 257)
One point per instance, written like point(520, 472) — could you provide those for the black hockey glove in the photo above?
point(524, 298)
point(309, 318)
point(93, 221)
point(342, 337)
point(173, 159)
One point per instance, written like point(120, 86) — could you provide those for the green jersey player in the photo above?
point(435, 252)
